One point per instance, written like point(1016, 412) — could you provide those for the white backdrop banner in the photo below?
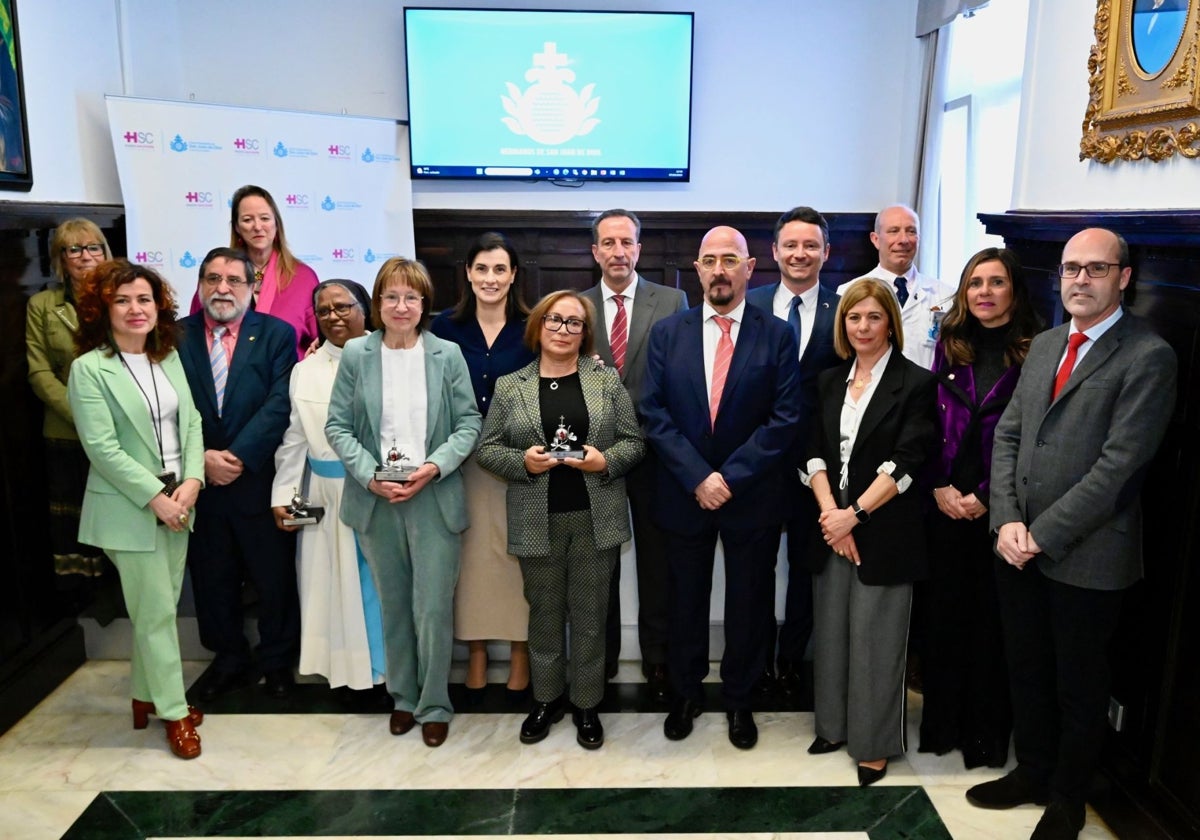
point(341, 183)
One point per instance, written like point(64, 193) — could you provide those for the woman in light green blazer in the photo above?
point(134, 413)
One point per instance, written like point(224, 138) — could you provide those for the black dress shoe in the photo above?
point(743, 733)
point(279, 682)
point(790, 681)
point(984, 752)
point(679, 721)
point(537, 725)
point(589, 732)
point(1060, 821)
point(820, 746)
point(765, 684)
point(657, 683)
point(212, 683)
point(1008, 792)
point(869, 775)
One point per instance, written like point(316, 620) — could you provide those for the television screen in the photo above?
point(549, 95)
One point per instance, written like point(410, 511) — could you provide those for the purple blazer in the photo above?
point(961, 413)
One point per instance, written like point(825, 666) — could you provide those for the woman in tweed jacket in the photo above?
point(562, 432)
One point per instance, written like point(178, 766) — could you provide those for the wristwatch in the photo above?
point(862, 515)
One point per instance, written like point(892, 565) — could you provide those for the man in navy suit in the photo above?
point(721, 407)
point(238, 364)
point(801, 248)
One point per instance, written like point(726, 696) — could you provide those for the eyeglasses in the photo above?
point(1094, 270)
point(393, 299)
point(74, 252)
point(555, 322)
point(728, 262)
point(342, 310)
point(233, 281)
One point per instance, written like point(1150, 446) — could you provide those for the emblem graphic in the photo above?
point(179, 144)
point(327, 204)
point(550, 111)
point(187, 260)
point(368, 156)
point(280, 150)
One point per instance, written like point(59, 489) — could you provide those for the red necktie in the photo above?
point(720, 366)
point(619, 336)
point(1064, 372)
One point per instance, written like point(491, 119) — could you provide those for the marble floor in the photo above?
point(309, 767)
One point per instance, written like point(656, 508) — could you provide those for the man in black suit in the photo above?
point(721, 405)
point(1071, 451)
point(627, 306)
point(238, 364)
point(801, 248)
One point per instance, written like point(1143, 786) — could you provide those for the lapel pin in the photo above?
point(251, 338)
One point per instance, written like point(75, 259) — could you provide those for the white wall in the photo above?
point(794, 102)
point(1049, 174)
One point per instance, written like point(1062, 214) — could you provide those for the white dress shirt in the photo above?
point(712, 334)
point(781, 306)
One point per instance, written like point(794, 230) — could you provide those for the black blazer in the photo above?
point(899, 425)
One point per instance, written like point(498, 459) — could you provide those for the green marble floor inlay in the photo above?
point(882, 812)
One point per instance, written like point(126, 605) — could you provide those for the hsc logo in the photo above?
point(297, 200)
point(139, 138)
point(150, 258)
point(339, 151)
point(246, 145)
point(343, 254)
point(198, 199)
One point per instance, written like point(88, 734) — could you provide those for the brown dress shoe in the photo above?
point(142, 709)
point(434, 733)
point(182, 738)
point(401, 722)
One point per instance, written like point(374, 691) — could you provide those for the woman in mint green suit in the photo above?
point(403, 392)
point(134, 413)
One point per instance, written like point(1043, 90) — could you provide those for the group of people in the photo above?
point(477, 472)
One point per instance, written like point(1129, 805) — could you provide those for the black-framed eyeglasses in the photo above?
point(233, 281)
point(74, 252)
point(342, 310)
point(1095, 270)
point(555, 322)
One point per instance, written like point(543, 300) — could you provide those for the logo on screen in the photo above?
point(179, 144)
point(550, 111)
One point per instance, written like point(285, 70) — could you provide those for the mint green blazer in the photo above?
point(116, 431)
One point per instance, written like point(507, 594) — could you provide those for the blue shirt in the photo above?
point(508, 352)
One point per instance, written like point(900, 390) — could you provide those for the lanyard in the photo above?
point(155, 408)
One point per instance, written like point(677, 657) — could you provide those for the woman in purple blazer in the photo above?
point(983, 342)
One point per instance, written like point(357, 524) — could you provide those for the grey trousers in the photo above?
point(571, 583)
point(860, 640)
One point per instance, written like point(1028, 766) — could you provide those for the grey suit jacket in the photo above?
point(1072, 469)
point(355, 412)
point(514, 423)
point(651, 303)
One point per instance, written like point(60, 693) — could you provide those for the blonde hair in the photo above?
point(860, 290)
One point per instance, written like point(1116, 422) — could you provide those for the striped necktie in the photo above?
point(619, 336)
point(219, 365)
point(720, 366)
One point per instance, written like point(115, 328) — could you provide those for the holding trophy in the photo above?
point(560, 446)
point(394, 469)
point(303, 513)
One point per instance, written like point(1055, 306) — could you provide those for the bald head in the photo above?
point(896, 236)
point(724, 265)
point(1099, 261)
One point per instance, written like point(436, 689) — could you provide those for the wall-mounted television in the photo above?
point(549, 95)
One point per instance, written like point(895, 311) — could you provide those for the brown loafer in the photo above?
point(401, 722)
point(434, 733)
point(182, 738)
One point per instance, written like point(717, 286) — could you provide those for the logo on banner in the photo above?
point(338, 151)
point(194, 198)
point(550, 111)
point(187, 260)
point(343, 254)
point(280, 149)
point(298, 201)
point(330, 205)
point(369, 257)
point(138, 139)
point(150, 258)
point(179, 144)
point(245, 146)
point(369, 156)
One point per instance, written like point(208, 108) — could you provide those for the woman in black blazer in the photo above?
point(873, 431)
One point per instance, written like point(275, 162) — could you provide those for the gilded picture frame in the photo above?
point(1143, 91)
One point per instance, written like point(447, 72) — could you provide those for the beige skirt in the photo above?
point(489, 602)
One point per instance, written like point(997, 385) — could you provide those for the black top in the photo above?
point(564, 413)
point(507, 353)
point(990, 343)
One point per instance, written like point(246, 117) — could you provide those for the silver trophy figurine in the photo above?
point(560, 445)
point(302, 512)
point(395, 469)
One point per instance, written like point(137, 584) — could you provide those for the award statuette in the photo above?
point(560, 443)
point(395, 469)
point(302, 512)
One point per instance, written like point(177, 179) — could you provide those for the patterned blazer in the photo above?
point(514, 424)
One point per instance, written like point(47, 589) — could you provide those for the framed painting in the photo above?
point(1143, 92)
point(15, 170)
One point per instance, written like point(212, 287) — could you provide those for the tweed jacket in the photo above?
point(1071, 469)
point(50, 325)
point(515, 423)
point(117, 432)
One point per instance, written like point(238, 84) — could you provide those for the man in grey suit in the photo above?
point(1071, 451)
point(627, 306)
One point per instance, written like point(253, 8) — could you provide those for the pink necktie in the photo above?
point(720, 366)
point(1064, 372)
point(619, 336)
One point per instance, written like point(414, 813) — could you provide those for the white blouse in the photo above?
point(405, 403)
